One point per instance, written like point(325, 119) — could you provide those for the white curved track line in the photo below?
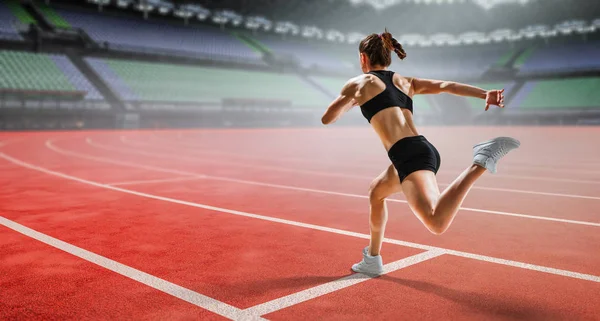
point(485, 258)
point(154, 181)
point(565, 166)
point(128, 164)
point(218, 152)
point(506, 190)
point(528, 167)
point(543, 168)
point(9, 141)
point(501, 175)
point(129, 142)
point(520, 191)
point(220, 162)
point(549, 179)
point(185, 294)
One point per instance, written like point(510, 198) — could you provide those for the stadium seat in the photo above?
point(559, 93)
point(312, 54)
point(562, 57)
point(166, 82)
point(450, 63)
point(7, 22)
point(30, 71)
point(52, 16)
point(162, 37)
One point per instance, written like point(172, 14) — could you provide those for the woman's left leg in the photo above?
point(386, 184)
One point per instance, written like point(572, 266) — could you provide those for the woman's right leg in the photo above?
point(437, 210)
point(434, 209)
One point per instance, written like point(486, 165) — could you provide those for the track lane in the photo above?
point(533, 204)
point(40, 282)
point(531, 242)
point(204, 251)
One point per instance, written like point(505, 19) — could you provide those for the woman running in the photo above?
point(385, 100)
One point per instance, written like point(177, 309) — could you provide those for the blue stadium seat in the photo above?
point(161, 37)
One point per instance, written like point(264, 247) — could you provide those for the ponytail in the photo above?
point(390, 43)
point(378, 48)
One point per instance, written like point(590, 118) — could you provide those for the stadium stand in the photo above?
point(7, 21)
point(19, 12)
point(165, 82)
point(309, 54)
point(332, 84)
point(40, 72)
point(53, 17)
point(451, 62)
point(160, 37)
point(101, 67)
point(561, 57)
point(530, 69)
point(559, 93)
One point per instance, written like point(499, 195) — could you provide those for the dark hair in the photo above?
point(379, 48)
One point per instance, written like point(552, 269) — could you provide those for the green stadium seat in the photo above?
point(562, 93)
point(34, 71)
point(24, 70)
point(166, 82)
point(52, 16)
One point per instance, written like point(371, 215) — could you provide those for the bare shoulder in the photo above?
point(355, 84)
point(360, 79)
point(404, 83)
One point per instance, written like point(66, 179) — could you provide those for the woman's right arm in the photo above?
point(430, 86)
point(341, 104)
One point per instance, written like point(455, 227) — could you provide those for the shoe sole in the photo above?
point(373, 275)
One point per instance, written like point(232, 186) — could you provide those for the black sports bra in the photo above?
point(390, 97)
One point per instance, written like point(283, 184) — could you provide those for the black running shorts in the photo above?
point(411, 154)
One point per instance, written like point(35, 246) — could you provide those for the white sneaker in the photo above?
point(487, 154)
point(370, 265)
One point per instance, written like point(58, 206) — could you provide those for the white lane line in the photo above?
point(336, 285)
point(526, 266)
point(543, 168)
point(552, 169)
point(9, 141)
point(550, 179)
point(152, 181)
point(478, 257)
point(152, 281)
point(152, 168)
point(476, 187)
point(218, 152)
point(561, 164)
point(520, 191)
point(222, 161)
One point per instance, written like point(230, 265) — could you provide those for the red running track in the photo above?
point(245, 223)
